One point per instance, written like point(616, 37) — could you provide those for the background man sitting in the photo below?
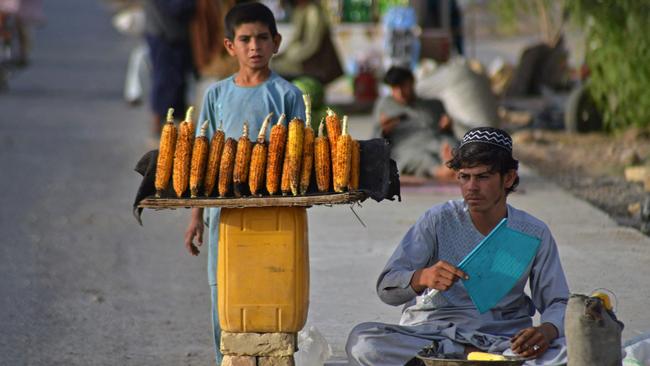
point(419, 130)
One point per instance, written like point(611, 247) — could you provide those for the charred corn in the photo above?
point(275, 156)
point(165, 154)
point(322, 160)
point(199, 159)
point(242, 162)
point(226, 167)
point(355, 166)
point(295, 141)
point(333, 125)
point(183, 154)
point(343, 159)
point(307, 148)
point(285, 185)
point(258, 160)
point(214, 160)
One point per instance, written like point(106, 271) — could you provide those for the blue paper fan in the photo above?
point(496, 264)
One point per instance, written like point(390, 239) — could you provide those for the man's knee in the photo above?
point(359, 347)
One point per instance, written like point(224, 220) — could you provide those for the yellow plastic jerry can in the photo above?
point(263, 269)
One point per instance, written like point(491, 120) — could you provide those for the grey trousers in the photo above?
point(381, 344)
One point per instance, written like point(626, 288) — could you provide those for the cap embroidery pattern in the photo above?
point(491, 136)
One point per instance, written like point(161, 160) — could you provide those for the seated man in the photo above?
point(419, 130)
point(311, 51)
point(427, 258)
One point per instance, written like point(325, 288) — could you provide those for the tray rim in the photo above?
point(152, 202)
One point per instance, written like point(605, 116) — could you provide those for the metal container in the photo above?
point(433, 361)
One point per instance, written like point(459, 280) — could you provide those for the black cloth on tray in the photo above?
point(379, 175)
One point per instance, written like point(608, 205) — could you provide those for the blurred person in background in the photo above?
point(419, 130)
point(16, 16)
point(211, 58)
point(167, 34)
point(434, 14)
point(310, 51)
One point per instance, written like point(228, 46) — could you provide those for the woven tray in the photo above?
point(277, 201)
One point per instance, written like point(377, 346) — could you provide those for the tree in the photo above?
point(617, 52)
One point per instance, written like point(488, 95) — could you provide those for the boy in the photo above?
point(249, 95)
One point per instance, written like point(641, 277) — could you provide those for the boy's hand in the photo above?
point(444, 124)
point(194, 230)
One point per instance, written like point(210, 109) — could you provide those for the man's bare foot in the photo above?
point(412, 180)
point(446, 152)
point(444, 174)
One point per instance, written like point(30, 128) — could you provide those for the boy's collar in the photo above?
point(271, 75)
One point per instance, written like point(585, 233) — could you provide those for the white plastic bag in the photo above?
point(130, 21)
point(313, 349)
point(467, 96)
point(638, 351)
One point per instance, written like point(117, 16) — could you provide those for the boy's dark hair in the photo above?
point(249, 12)
point(473, 152)
point(397, 75)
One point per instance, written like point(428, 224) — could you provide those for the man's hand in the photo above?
point(444, 123)
point(194, 230)
point(533, 341)
point(388, 124)
point(441, 276)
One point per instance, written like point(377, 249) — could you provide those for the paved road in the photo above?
point(82, 284)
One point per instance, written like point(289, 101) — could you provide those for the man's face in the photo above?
point(404, 93)
point(484, 190)
point(253, 45)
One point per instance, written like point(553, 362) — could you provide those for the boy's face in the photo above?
point(253, 45)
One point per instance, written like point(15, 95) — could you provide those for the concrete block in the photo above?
point(258, 344)
point(275, 361)
point(229, 360)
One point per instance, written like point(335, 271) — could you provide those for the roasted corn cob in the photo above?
point(214, 160)
point(333, 125)
point(165, 154)
point(295, 141)
point(258, 159)
point(285, 182)
point(226, 167)
point(355, 166)
point(307, 148)
point(183, 154)
point(275, 157)
point(322, 160)
point(343, 159)
point(242, 162)
point(199, 159)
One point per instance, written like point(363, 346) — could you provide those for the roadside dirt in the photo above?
point(592, 167)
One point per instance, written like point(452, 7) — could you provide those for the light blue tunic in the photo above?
point(446, 232)
point(225, 101)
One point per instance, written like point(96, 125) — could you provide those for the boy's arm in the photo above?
point(194, 230)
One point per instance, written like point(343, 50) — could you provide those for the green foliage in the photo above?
point(618, 55)
point(513, 14)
